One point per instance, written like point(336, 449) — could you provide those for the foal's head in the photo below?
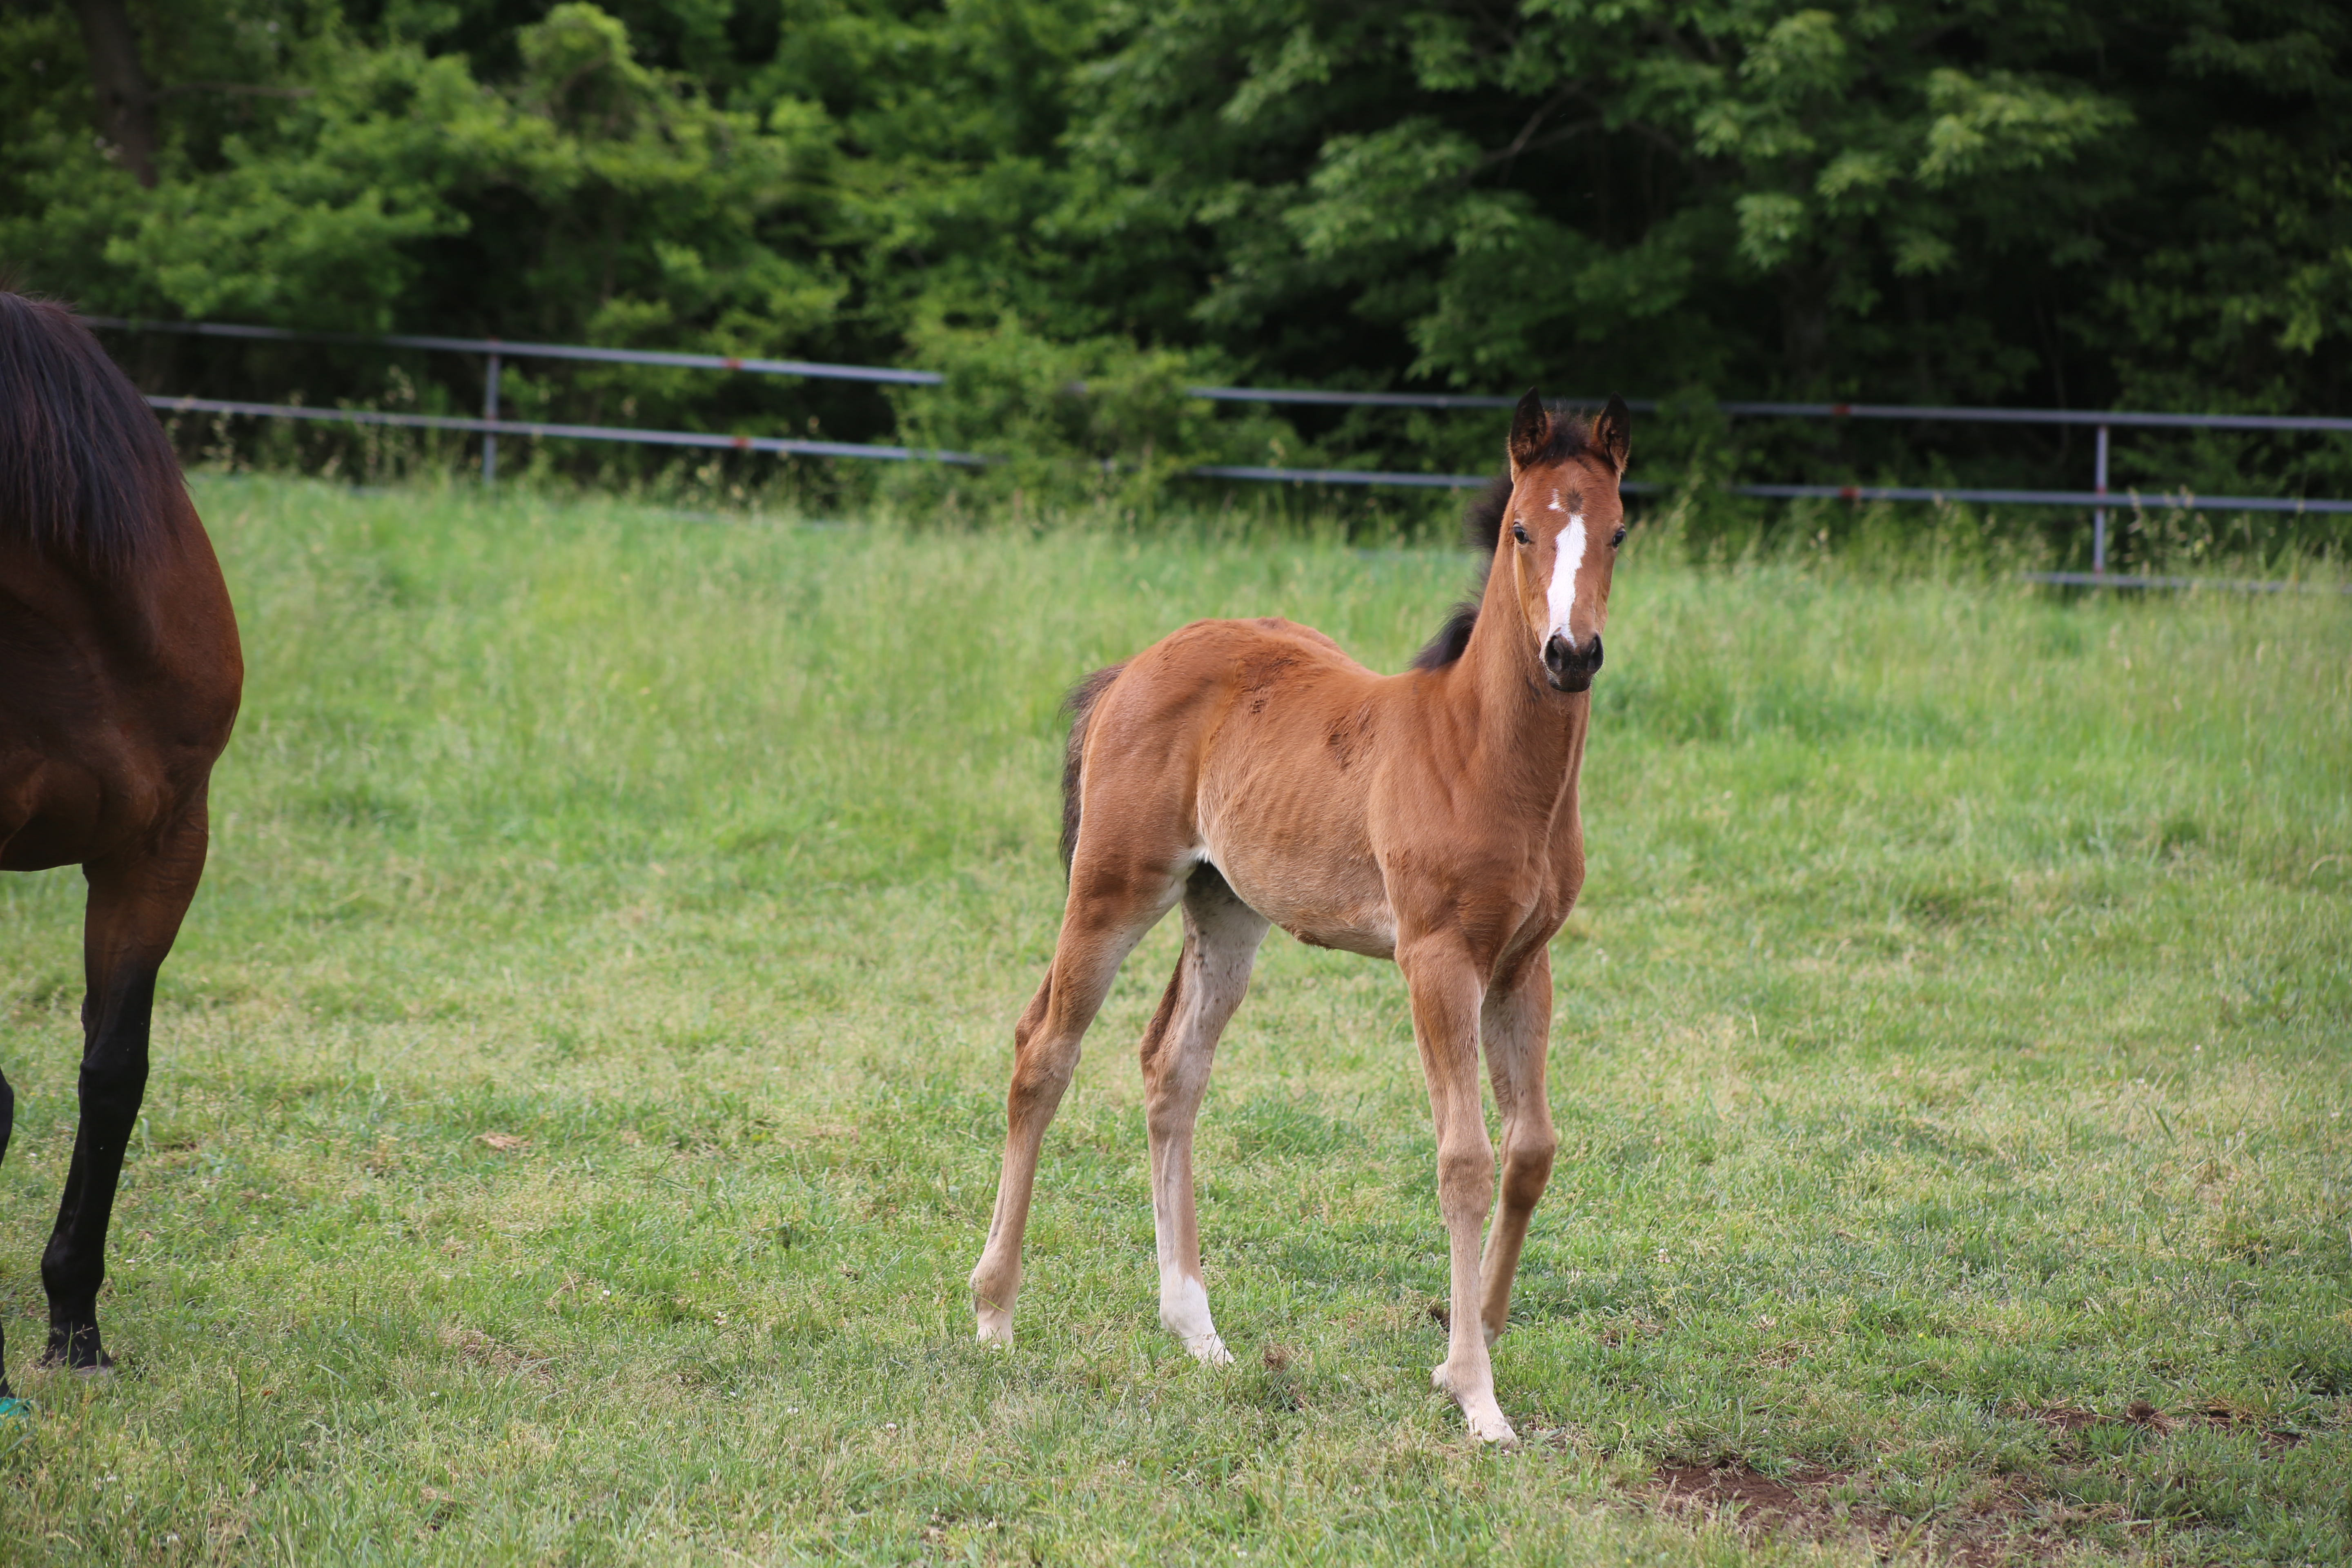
point(1561, 531)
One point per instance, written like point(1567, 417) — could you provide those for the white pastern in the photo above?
point(1184, 1309)
point(995, 1325)
point(1562, 595)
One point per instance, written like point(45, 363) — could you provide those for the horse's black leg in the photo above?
point(136, 901)
point(7, 1125)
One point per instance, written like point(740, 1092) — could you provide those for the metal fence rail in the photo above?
point(2098, 498)
point(2160, 501)
point(2225, 584)
point(1799, 410)
point(501, 348)
point(778, 444)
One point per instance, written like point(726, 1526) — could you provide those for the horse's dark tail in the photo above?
point(1080, 706)
point(86, 472)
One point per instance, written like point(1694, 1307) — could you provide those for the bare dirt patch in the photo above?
point(2067, 1419)
point(1991, 1528)
point(1759, 1499)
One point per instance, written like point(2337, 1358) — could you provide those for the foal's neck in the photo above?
point(1516, 726)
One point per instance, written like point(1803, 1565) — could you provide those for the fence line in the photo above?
point(785, 445)
point(500, 348)
point(2225, 584)
point(1955, 416)
point(821, 370)
point(2098, 498)
point(2162, 501)
point(779, 444)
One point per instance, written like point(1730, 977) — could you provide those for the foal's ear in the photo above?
point(1613, 433)
point(1530, 431)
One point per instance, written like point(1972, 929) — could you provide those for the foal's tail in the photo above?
point(85, 470)
point(1080, 706)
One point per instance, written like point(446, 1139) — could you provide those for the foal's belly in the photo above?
point(1339, 903)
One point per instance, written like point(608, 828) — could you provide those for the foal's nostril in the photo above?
point(1593, 656)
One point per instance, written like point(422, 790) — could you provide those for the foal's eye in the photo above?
point(1617, 538)
point(1518, 533)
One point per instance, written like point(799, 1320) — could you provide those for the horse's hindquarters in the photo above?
point(120, 695)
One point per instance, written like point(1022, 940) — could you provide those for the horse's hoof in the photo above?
point(994, 1329)
point(1494, 1431)
point(1485, 1416)
point(1210, 1351)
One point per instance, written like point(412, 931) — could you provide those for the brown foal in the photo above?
point(119, 674)
point(1255, 774)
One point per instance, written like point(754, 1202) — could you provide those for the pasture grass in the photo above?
point(578, 1089)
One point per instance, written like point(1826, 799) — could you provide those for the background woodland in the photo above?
point(1075, 208)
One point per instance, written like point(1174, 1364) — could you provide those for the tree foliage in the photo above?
point(1929, 201)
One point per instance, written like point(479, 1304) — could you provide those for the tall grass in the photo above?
point(1952, 1041)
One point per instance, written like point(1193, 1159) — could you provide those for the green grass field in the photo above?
point(578, 1089)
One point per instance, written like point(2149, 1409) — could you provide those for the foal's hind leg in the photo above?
point(1221, 941)
point(1108, 912)
point(136, 899)
point(1516, 1023)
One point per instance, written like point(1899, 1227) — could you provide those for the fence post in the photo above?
point(490, 412)
point(2099, 513)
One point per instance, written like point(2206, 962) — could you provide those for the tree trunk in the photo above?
point(126, 105)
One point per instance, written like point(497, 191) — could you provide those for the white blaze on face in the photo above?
point(1564, 564)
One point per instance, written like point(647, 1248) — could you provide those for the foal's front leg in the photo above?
point(1516, 1027)
point(1446, 999)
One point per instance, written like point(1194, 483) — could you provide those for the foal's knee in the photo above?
point(1527, 1153)
point(1465, 1177)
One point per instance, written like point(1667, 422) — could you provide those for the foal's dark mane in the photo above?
point(86, 472)
point(1482, 531)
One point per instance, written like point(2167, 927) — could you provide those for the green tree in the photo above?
point(1919, 201)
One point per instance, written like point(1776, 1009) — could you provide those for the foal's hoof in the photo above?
point(1483, 1416)
point(1210, 1351)
point(994, 1328)
point(1494, 1431)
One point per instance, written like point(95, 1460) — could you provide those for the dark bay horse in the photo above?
point(119, 674)
point(1255, 774)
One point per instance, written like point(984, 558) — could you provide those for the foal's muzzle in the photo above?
point(1572, 668)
